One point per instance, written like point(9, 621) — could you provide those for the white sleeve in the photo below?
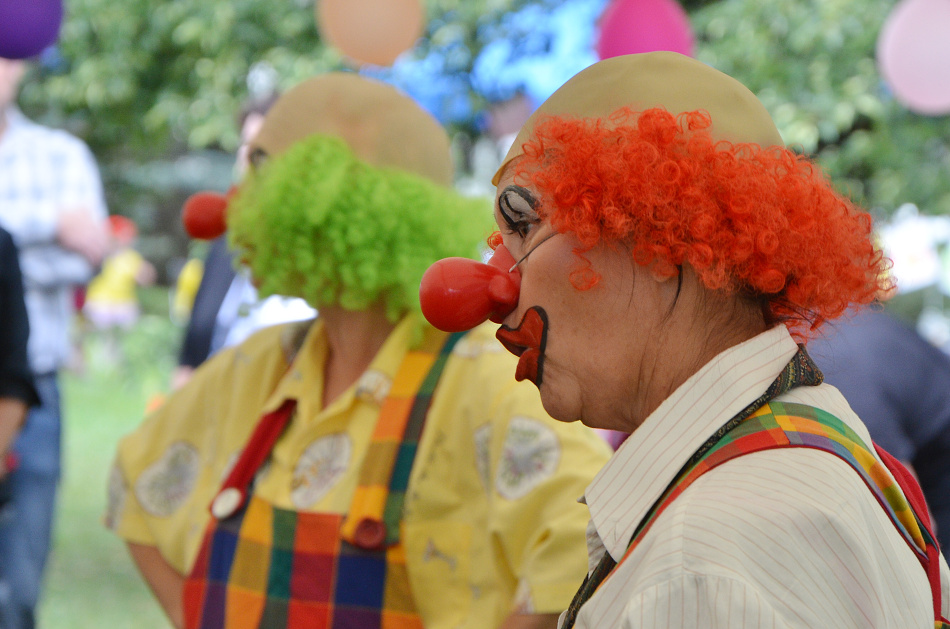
point(694, 601)
point(51, 266)
point(81, 184)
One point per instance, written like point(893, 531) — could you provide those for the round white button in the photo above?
point(226, 503)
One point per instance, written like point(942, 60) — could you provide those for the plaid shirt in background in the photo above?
point(44, 172)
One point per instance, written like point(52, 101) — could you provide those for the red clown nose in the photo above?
point(457, 293)
point(204, 214)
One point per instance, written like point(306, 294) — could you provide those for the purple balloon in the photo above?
point(28, 26)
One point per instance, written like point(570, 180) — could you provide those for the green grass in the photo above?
point(91, 581)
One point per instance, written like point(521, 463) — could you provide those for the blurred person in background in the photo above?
point(226, 308)
point(362, 469)
point(899, 385)
point(51, 202)
point(17, 393)
point(182, 299)
point(111, 304)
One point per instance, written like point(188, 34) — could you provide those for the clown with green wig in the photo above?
point(363, 469)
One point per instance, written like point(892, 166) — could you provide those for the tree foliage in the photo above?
point(142, 74)
point(812, 63)
point(148, 74)
point(146, 79)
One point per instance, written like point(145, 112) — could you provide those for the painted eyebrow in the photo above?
point(525, 195)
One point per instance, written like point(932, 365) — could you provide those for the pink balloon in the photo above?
point(632, 26)
point(913, 55)
point(28, 26)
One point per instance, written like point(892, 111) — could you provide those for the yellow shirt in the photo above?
point(186, 288)
point(116, 284)
point(491, 521)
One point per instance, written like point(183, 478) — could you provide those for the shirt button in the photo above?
point(370, 534)
point(226, 503)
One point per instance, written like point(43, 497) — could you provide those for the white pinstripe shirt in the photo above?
point(787, 538)
point(43, 173)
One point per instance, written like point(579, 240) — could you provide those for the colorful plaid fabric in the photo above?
point(269, 567)
point(378, 501)
point(275, 568)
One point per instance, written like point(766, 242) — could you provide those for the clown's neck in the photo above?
point(354, 337)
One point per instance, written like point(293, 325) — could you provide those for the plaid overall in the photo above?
point(766, 425)
point(260, 566)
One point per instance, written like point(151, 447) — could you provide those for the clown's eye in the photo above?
point(523, 228)
point(257, 157)
point(517, 208)
point(519, 225)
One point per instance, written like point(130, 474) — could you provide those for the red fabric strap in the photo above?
point(258, 448)
point(915, 496)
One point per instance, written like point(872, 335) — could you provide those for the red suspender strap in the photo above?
point(233, 492)
point(908, 485)
point(915, 496)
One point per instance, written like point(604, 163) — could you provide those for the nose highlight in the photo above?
point(457, 294)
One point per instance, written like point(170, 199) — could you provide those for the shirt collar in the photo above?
point(649, 459)
point(304, 378)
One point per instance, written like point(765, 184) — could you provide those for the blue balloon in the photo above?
point(536, 49)
point(28, 26)
point(532, 51)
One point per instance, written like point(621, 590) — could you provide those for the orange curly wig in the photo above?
point(764, 223)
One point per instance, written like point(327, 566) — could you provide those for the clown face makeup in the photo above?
point(518, 210)
point(591, 353)
point(527, 341)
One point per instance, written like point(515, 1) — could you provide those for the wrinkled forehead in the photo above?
point(668, 80)
point(382, 126)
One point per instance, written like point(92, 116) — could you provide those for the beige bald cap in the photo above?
point(381, 125)
point(669, 80)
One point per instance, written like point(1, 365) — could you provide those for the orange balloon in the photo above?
point(370, 31)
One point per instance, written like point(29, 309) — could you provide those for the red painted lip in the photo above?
point(527, 341)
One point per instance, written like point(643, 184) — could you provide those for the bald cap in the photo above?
point(381, 125)
point(669, 80)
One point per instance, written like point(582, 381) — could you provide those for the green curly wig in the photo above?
point(319, 223)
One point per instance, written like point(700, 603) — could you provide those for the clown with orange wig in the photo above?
point(661, 261)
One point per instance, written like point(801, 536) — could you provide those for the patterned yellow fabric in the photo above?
point(491, 520)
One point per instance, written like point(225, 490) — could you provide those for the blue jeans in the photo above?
point(26, 522)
